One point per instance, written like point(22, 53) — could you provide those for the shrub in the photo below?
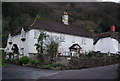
point(33, 62)
point(57, 65)
point(83, 55)
point(24, 60)
point(102, 55)
point(54, 66)
point(11, 60)
point(3, 64)
point(8, 59)
point(90, 54)
point(46, 66)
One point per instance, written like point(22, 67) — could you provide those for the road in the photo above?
point(20, 72)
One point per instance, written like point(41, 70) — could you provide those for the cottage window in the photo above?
point(73, 39)
point(83, 41)
point(62, 38)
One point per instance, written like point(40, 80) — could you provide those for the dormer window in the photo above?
point(23, 35)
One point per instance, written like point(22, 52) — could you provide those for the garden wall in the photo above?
point(92, 62)
point(64, 60)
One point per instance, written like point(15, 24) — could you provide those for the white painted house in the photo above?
point(107, 42)
point(67, 34)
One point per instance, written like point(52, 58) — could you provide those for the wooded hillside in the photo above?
point(91, 16)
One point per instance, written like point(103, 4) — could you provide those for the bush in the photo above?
point(34, 61)
point(54, 66)
point(11, 60)
point(24, 60)
point(46, 66)
point(102, 55)
point(8, 59)
point(90, 54)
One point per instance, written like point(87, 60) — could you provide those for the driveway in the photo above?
point(20, 72)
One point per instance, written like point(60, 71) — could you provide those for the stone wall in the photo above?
point(33, 56)
point(64, 60)
point(93, 62)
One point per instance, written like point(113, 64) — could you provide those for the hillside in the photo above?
point(91, 16)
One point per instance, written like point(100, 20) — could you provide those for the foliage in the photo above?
point(88, 25)
point(102, 15)
point(11, 60)
point(82, 55)
point(87, 55)
point(24, 60)
point(52, 50)
point(56, 65)
point(90, 54)
point(39, 45)
point(102, 55)
point(34, 62)
point(46, 66)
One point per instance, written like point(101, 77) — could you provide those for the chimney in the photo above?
point(65, 17)
point(113, 28)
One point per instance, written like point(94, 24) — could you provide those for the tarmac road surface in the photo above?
point(20, 72)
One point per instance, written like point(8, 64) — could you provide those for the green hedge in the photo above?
point(24, 60)
point(34, 62)
point(11, 60)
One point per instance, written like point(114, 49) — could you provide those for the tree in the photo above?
point(39, 45)
point(52, 50)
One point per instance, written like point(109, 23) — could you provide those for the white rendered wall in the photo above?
point(17, 40)
point(64, 46)
point(72, 39)
point(105, 45)
point(31, 40)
